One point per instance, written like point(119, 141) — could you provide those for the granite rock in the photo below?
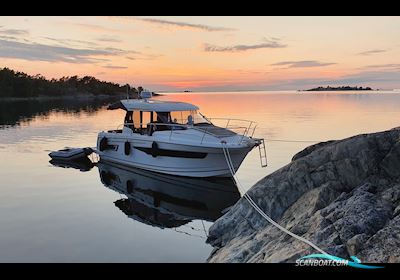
point(343, 195)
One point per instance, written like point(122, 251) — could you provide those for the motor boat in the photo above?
point(175, 138)
point(168, 201)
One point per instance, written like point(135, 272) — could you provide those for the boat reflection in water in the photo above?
point(84, 164)
point(167, 201)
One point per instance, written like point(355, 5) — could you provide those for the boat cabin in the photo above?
point(146, 116)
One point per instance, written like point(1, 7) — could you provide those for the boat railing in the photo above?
point(243, 131)
point(233, 124)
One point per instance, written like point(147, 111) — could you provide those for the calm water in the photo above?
point(108, 214)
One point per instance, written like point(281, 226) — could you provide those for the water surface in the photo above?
point(55, 214)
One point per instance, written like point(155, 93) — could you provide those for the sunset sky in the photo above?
point(208, 53)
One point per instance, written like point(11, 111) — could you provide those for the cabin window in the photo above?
point(162, 117)
point(128, 118)
point(136, 119)
point(146, 118)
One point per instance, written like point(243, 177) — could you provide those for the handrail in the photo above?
point(250, 128)
point(250, 123)
point(230, 119)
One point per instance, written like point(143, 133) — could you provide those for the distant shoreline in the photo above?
point(267, 90)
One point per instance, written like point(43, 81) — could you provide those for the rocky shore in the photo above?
point(343, 195)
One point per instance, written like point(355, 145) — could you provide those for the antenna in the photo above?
point(127, 91)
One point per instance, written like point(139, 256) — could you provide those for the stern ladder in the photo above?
point(263, 153)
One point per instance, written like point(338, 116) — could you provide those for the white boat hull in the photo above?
point(175, 159)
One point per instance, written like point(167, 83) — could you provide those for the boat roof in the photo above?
point(152, 105)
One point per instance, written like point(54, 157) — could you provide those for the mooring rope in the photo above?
point(293, 141)
point(258, 209)
point(189, 234)
point(204, 228)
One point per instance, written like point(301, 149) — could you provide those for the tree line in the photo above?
point(19, 84)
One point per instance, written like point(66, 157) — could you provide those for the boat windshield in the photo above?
point(188, 117)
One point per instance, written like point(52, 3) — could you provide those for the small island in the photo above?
point(342, 88)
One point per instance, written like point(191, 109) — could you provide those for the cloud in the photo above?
point(240, 48)
point(388, 66)
point(275, 38)
point(71, 42)
point(41, 52)
point(111, 39)
point(91, 27)
point(144, 56)
point(8, 37)
point(119, 51)
point(115, 67)
point(375, 51)
point(133, 55)
point(185, 24)
point(370, 77)
point(374, 79)
point(70, 52)
point(303, 63)
point(14, 32)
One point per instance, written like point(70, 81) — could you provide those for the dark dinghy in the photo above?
point(71, 154)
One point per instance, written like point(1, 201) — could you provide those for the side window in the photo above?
point(136, 119)
point(176, 117)
point(146, 119)
point(162, 117)
point(129, 118)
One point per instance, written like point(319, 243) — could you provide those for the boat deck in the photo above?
point(216, 131)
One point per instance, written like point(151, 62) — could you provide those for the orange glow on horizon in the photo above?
point(206, 53)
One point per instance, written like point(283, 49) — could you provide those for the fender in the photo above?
point(103, 144)
point(129, 186)
point(154, 149)
point(127, 148)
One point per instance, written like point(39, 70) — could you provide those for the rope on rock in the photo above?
point(258, 209)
